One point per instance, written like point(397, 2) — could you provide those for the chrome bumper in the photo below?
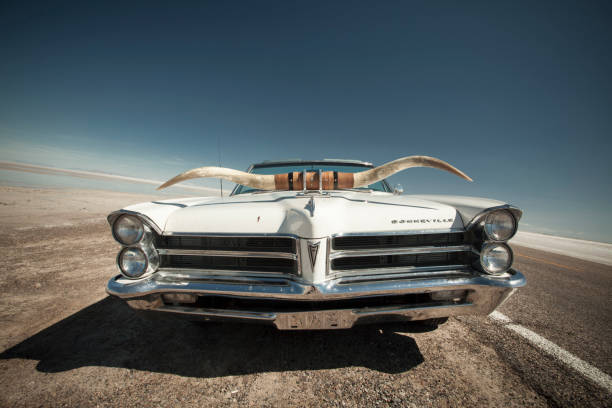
point(482, 295)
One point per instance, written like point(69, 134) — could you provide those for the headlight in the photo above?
point(495, 258)
point(132, 262)
point(500, 225)
point(128, 230)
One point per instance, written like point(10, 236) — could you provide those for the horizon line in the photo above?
point(38, 169)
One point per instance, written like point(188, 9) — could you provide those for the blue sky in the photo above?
point(516, 94)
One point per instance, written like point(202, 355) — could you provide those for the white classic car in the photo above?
point(339, 250)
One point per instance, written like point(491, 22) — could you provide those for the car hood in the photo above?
point(307, 216)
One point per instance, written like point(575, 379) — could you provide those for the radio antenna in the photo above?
point(219, 160)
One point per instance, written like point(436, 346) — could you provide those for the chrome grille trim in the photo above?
point(393, 233)
point(447, 272)
point(219, 275)
point(395, 272)
point(227, 235)
point(237, 254)
point(397, 251)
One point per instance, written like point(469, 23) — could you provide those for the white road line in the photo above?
point(593, 373)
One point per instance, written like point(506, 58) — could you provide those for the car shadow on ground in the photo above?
point(108, 333)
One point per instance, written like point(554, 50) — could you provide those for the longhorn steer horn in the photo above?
point(365, 178)
point(330, 180)
point(259, 181)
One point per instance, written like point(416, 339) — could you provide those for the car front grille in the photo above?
point(358, 257)
point(261, 254)
point(230, 243)
point(419, 255)
point(397, 241)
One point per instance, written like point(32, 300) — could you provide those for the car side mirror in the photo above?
point(398, 189)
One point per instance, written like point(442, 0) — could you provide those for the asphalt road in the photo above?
point(65, 343)
point(566, 301)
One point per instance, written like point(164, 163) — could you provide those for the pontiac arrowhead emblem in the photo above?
point(313, 249)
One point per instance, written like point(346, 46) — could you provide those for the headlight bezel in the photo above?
point(128, 217)
point(486, 246)
point(119, 262)
point(490, 235)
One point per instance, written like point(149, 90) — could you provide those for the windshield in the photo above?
point(282, 169)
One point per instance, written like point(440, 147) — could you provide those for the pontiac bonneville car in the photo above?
point(321, 244)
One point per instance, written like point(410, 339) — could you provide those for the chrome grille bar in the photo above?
point(397, 251)
point(447, 271)
point(412, 271)
point(236, 254)
point(181, 274)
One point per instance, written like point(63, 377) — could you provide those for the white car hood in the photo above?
point(310, 216)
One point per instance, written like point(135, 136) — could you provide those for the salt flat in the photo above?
point(577, 248)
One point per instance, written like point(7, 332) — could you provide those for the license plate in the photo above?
point(321, 320)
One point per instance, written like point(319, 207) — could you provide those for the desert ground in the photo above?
point(64, 342)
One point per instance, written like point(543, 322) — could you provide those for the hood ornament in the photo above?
point(310, 206)
point(313, 249)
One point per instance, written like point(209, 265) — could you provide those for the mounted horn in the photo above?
point(330, 180)
point(365, 178)
point(259, 181)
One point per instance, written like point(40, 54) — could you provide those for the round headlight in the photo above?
point(128, 229)
point(495, 258)
point(500, 225)
point(132, 262)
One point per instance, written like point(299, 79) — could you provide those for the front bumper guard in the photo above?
point(483, 295)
